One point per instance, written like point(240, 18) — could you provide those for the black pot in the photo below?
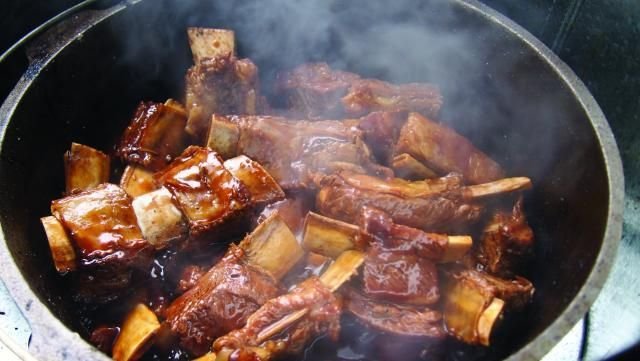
point(503, 89)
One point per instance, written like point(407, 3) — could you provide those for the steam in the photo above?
point(489, 81)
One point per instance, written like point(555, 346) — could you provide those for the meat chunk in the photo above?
point(84, 168)
point(315, 91)
point(506, 241)
point(109, 243)
point(221, 85)
point(322, 316)
point(330, 237)
point(396, 319)
point(394, 237)
point(474, 302)
point(263, 188)
point(398, 276)
point(294, 151)
point(428, 207)
point(206, 192)
point(368, 95)
point(155, 135)
point(221, 301)
point(442, 149)
point(380, 131)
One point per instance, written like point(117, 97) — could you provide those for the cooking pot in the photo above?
point(502, 88)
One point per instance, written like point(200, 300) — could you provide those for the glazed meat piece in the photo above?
point(220, 302)
point(84, 168)
point(516, 292)
point(108, 242)
point(235, 287)
point(368, 95)
point(294, 151)
point(330, 237)
point(442, 149)
point(262, 187)
point(343, 198)
point(286, 324)
point(155, 136)
point(321, 316)
point(475, 301)
point(506, 241)
point(392, 318)
point(206, 192)
point(221, 85)
point(434, 205)
point(394, 237)
point(316, 91)
point(399, 276)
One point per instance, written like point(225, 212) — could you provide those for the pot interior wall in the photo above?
point(498, 92)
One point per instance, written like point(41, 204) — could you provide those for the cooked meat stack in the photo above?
point(356, 172)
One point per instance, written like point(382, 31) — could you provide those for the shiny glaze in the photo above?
point(263, 188)
point(399, 277)
point(203, 189)
point(395, 237)
point(155, 135)
point(100, 219)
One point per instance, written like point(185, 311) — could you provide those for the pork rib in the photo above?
point(444, 150)
point(294, 151)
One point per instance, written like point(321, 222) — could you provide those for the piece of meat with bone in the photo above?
point(378, 227)
point(84, 168)
point(507, 241)
point(380, 130)
point(155, 135)
point(105, 246)
point(234, 288)
point(443, 150)
point(221, 301)
point(431, 205)
point(201, 191)
point(218, 82)
point(204, 190)
point(286, 324)
point(294, 151)
point(368, 95)
point(322, 317)
point(396, 319)
point(474, 303)
point(399, 276)
point(316, 91)
point(330, 237)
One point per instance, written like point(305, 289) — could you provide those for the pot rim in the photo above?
point(45, 326)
